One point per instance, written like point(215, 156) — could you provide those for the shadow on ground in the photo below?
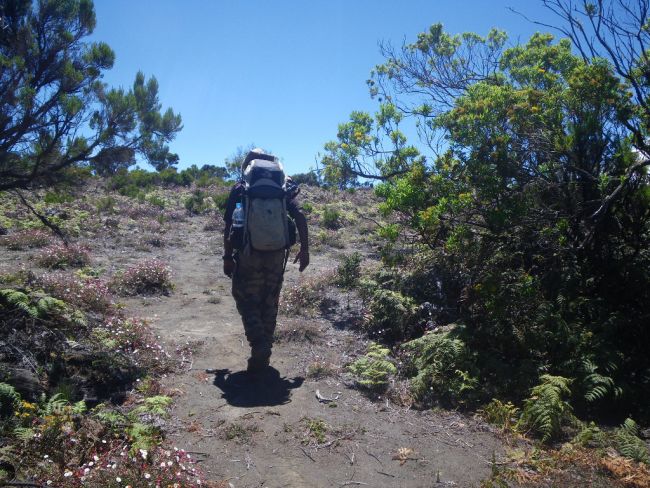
point(264, 390)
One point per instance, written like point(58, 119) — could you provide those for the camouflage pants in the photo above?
point(256, 286)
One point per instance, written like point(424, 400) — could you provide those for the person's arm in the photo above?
point(228, 261)
point(301, 225)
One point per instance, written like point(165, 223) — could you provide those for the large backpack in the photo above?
point(265, 206)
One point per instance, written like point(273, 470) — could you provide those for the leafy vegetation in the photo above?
point(531, 226)
point(373, 370)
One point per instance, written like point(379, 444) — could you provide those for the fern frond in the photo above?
point(24, 434)
point(55, 405)
point(48, 305)
point(597, 385)
point(18, 300)
point(628, 443)
point(545, 410)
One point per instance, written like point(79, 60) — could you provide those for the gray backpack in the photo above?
point(266, 224)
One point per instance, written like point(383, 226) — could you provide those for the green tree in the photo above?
point(56, 113)
point(535, 212)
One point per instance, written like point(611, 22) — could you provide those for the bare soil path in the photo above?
point(274, 432)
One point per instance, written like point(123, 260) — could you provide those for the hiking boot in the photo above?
point(257, 365)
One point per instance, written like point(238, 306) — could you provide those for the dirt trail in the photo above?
point(274, 432)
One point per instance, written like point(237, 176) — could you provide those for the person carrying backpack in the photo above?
point(257, 237)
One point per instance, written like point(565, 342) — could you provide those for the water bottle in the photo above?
point(238, 216)
point(237, 229)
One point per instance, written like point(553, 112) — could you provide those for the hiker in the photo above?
point(256, 249)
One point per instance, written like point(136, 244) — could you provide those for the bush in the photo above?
point(197, 203)
point(86, 293)
point(26, 239)
point(305, 297)
point(106, 204)
point(61, 256)
point(349, 271)
point(440, 366)
point(331, 218)
point(390, 315)
point(221, 200)
point(148, 277)
point(373, 370)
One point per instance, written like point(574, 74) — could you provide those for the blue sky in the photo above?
point(278, 73)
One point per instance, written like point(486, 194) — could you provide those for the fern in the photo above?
point(441, 365)
point(55, 405)
point(18, 301)
point(628, 443)
point(373, 369)
point(9, 400)
point(590, 436)
point(48, 305)
point(156, 405)
point(110, 417)
point(24, 434)
point(500, 414)
point(79, 408)
point(142, 436)
point(546, 409)
point(597, 386)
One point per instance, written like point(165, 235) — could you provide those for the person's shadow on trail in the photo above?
point(264, 390)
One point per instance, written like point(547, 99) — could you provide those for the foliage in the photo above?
point(305, 297)
point(52, 88)
point(331, 218)
point(349, 271)
point(389, 315)
point(503, 415)
point(373, 370)
point(9, 400)
point(310, 178)
point(536, 212)
point(628, 443)
point(197, 203)
point(546, 409)
point(26, 239)
point(60, 255)
point(439, 365)
point(86, 293)
point(148, 277)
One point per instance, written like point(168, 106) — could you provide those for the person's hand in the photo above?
point(228, 266)
point(303, 257)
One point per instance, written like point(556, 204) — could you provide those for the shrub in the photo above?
point(331, 218)
point(86, 293)
point(390, 315)
point(106, 204)
point(546, 409)
point(148, 277)
point(197, 203)
point(307, 207)
point(306, 296)
point(349, 271)
point(53, 198)
point(439, 363)
point(220, 200)
point(26, 239)
point(373, 370)
point(58, 256)
point(329, 238)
